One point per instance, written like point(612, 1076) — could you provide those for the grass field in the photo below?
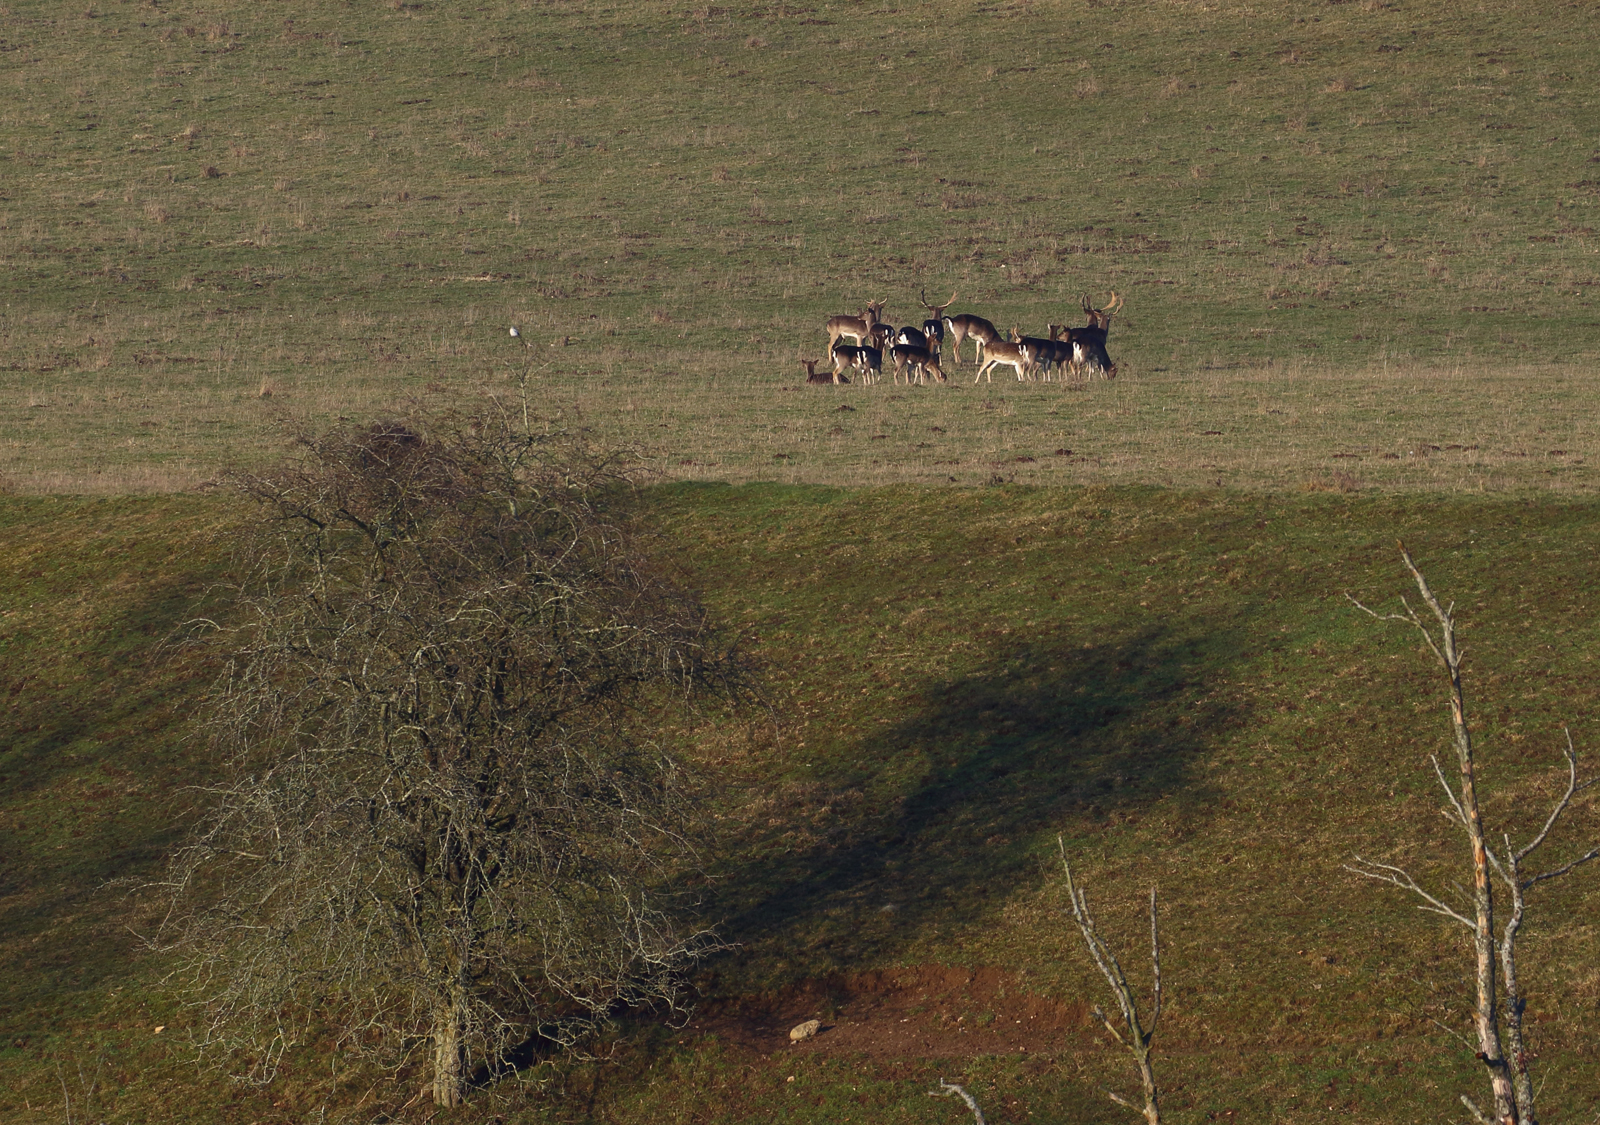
point(1357, 242)
point(1339, 204)
point(1172, 680)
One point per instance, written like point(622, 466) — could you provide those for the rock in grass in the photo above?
point(804, 1031)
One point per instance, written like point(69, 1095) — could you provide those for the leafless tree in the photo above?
point(447, 828)
point(1499, 1004)
point(1136, 1036)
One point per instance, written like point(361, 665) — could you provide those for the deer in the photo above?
point(868, 361)
point(1089, 342)
point(879, 336)
point(983, 333)
point(915, 337)
point(921, 361)
point(934, 325)
point(1041, 353)
point(856, 327)
point(821, 378)
point(1002, 353)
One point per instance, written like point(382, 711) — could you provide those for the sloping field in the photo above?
point(1356, 240)
point(1173, 682)
point(1357, 244)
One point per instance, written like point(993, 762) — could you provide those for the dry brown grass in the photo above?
point(149, 404)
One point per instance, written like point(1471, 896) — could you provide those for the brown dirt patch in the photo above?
point(926, 1011)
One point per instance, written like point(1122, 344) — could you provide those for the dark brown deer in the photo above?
point(1089, 342)
point(933, 327)
point(867, 361)
point(911, 360)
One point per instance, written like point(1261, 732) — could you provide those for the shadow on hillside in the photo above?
point(95, 775)
point(1049, 735)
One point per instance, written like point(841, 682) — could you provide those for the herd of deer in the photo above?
point(915, 351)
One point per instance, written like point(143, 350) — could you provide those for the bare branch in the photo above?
point(1571, 755)
point(1138, 1037)
point(1477, 1114)
point(950, 1089)
point(1400, 877)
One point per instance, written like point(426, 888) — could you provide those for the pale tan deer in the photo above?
point(1002, 353)
point(856, 327)
point(981, 331)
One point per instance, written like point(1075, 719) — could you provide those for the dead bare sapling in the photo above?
point(1499, 1004)
point(1137, 1034)
point(448, 827)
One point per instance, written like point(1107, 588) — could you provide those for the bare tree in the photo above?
point(1497, 1003)
point(1138, 1036)
point(446, 827)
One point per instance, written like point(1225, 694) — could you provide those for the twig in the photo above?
point(950, 1089)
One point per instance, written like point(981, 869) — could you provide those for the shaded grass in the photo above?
point(1170, 679)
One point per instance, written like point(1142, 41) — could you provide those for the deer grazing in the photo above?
point(856, 327)
point(821, 378)
point(909, 359)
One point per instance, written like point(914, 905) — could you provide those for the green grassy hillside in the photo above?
point(1357, 243)
point(1173, 682)
point(1356, 215)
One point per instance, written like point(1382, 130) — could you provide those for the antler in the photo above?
point(1116, 303)
point(1087, 307)
point(938, 308)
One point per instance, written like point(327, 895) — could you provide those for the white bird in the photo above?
point(515, 333)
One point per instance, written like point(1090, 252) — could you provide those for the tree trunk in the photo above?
point(449, 1070)
point(1487, 1015)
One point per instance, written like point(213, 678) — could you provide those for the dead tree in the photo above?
point(1498, 1010)
point(1138, 1036)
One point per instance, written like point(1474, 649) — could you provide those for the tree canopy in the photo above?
point(447, 825)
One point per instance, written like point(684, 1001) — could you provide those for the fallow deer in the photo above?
point(982, 332)
point(915, 337)
point(1001, 353)
point(933, 326)
point(911, 360)
point(1040, 352)
point(821, 378)
point(868, 361)
point(1089, 342)
point(855, 327)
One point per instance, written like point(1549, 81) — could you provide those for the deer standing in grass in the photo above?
point(867, 361)
point(933, 326)
point(909, 360)
point(1089, 342)
point(982, 332)
point(858, 327)
point(1002, 353)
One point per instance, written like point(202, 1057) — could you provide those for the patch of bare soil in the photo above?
point(928, 1011)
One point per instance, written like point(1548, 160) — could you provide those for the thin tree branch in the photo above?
point(950, 1089)
point(1400, 877)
